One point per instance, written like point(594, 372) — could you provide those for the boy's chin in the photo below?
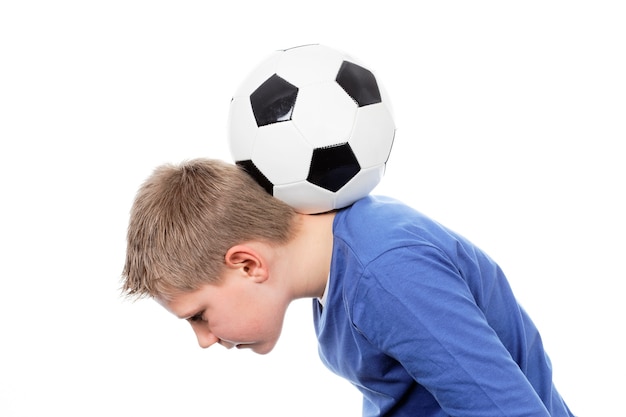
point(260, 349)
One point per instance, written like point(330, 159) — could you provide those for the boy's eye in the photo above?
point(196, 318)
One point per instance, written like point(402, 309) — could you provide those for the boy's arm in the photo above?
point(420, 311)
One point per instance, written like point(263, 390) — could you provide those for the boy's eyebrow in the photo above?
point(181, 316)
point(188, 316)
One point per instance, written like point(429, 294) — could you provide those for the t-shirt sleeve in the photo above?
point(416, 306)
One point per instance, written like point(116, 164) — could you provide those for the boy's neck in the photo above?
point(311, 250)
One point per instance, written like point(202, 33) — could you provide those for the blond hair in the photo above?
point(185, 218)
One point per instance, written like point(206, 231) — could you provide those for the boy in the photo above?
point(416, 317)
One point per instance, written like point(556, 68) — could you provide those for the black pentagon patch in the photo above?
point(256, 174)
point(359, 83)
point(273, 101)
point(332, 167)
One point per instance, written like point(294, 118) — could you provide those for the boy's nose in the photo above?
point(206, 338)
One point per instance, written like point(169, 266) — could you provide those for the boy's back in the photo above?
point(409, 300)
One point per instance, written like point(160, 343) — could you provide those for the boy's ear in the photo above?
point(250, 261)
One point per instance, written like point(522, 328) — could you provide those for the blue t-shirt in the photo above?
point(424, 323)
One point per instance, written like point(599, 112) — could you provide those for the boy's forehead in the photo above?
point(166, 303)
point(181, 304)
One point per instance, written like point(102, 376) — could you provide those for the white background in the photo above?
point(511, 128)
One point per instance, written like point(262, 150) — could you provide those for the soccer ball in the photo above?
point(313, 126)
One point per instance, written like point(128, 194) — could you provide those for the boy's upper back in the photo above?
point(410, 300)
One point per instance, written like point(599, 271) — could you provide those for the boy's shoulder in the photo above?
point(377, 207)
point(378, 213)
point(379, 222)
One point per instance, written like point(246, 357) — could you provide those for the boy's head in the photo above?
point(185, 218)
